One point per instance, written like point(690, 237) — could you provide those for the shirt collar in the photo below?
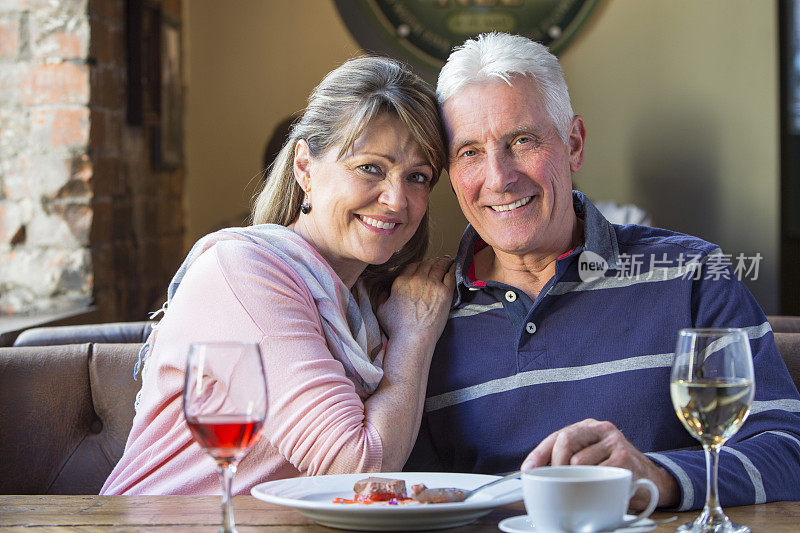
point(598, 237)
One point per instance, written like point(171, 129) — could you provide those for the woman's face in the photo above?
point(368, 204)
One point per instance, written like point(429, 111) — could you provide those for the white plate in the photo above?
point(313, 497)
point(521, 524)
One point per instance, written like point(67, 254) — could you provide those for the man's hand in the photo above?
point(591, 442)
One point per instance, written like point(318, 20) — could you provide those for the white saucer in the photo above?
point(520, 524)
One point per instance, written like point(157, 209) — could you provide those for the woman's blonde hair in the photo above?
point(338, 111)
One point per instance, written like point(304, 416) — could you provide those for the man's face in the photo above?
point(510, 170)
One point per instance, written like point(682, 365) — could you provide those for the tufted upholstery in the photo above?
point(65, 414)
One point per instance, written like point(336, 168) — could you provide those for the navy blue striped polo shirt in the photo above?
point(509, 370)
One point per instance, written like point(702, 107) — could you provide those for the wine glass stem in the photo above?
point(712, 512)
point(226, 472)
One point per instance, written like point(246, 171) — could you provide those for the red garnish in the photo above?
point(375, 497)
point(367, 501)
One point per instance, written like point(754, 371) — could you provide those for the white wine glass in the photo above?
point(712, 389)
point(225, 404)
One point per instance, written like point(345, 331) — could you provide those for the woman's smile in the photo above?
point(379, 225)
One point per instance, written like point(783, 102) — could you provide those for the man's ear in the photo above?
point(576, 141)
point(302, 162)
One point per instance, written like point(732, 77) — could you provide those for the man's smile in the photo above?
point(513, 205)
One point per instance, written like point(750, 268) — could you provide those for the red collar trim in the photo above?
point(581, 216)
point(565, 254)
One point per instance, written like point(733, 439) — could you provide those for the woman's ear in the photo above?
point(302, 163)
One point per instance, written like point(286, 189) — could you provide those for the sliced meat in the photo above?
point(386, 487)
point(416, 489)
point(446, 495)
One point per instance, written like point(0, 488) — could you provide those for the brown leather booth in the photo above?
point(789, 346)
point(784, 323)
point(66, 411)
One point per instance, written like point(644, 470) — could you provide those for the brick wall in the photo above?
point(84, 218)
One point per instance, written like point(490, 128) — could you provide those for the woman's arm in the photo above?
point(316, 420)
point(413, 317)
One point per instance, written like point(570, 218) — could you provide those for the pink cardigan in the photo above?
point(315, 422)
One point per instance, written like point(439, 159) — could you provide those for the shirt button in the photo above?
point(511, 296)
point(530, 327)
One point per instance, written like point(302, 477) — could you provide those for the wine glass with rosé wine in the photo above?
point(712, 388)
point(225, 404)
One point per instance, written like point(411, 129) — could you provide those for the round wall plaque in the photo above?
point(425, 31)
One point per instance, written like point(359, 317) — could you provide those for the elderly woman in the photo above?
point(337, 246)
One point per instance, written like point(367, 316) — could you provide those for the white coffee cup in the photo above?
point(582, 498)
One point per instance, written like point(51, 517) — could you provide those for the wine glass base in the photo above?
point(728, 527)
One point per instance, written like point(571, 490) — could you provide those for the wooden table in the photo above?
point(202, 513)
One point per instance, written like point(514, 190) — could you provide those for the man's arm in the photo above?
point(760, 463)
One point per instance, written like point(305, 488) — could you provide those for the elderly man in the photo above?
point(543, 354)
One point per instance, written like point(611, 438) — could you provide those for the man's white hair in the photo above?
point(500, 56)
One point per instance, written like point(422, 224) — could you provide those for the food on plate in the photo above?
point(389, 491)
point(423, 494)
point(378, 490)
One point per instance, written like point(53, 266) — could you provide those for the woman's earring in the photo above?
point(305, 207)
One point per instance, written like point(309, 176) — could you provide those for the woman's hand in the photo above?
point(419, 303)
point(413, 317)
